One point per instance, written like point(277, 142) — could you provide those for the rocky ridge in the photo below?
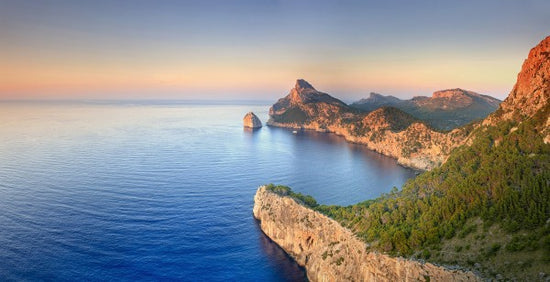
point(330, 252)
point(531, 93)
point(445, 110)
point(375, 101)
point(388, 131)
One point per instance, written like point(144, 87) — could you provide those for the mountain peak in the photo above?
point(375, 95)
point(532, 90)
point(449, 93)
point(301, 84)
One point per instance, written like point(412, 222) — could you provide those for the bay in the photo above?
point(160, 190)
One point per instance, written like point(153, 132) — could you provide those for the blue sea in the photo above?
point(160, 190)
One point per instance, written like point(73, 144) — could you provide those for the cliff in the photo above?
point(329, 252)
point(531, 93)
point(388, 131)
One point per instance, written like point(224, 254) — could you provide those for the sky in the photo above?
point(254, 49)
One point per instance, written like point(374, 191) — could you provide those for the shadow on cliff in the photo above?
point(285, 265)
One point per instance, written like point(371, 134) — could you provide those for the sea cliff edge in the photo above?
point(330, 252)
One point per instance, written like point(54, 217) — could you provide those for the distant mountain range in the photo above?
point(445, 110)
point(412, 131)
point(387, 130)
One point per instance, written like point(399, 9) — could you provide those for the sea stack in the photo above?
point(250, 120)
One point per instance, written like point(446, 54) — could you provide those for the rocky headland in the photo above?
point(386, 130)
point(330, 252)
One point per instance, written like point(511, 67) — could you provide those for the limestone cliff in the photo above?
point(330, 252)
point(389, 131)
point(250, 120)
point(531, 93)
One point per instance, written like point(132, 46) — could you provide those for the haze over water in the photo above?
point(149, 191)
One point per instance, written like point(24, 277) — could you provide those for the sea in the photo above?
point(160, 190)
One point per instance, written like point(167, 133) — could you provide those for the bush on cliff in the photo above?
point(282, 190)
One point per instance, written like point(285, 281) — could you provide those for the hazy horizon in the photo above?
point(255, 50)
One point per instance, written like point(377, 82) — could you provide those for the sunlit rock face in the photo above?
point(330, 252)
point(387, 130)
point(395, 133)
point(250, 120)
point(531, 93)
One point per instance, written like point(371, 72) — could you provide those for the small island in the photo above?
point(250, 120)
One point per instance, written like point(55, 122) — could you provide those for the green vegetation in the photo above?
point(501, 182)
point(339, 261)
point(438, 113)
point(292, 115)
point(503, 177)
point(282, 190)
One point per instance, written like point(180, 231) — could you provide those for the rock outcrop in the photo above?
point(388, 131)
point(250, 120)
point(330, 252)
point(532, 90)
point(531, 93)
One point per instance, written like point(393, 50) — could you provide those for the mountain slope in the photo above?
point(375, 101)
point(445, 110)
point(387, 130)
point(488, 207)
point(304, 104)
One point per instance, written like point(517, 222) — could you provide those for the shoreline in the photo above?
point(419, 162)
point(331, 252)
point(417, 171)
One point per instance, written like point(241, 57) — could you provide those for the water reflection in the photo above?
point(250, 131)
point(351, 172)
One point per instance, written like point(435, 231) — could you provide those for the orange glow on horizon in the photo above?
point(51, 79)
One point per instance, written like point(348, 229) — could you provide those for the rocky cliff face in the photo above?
point(329, 252)
point(250, 120)
point(389, 131)
point(531, 94)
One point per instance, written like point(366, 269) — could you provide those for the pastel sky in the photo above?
point(256, 49)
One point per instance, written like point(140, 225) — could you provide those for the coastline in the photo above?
point(391, 144)
point(330, 252)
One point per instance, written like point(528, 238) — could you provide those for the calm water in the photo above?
point(122, 191)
